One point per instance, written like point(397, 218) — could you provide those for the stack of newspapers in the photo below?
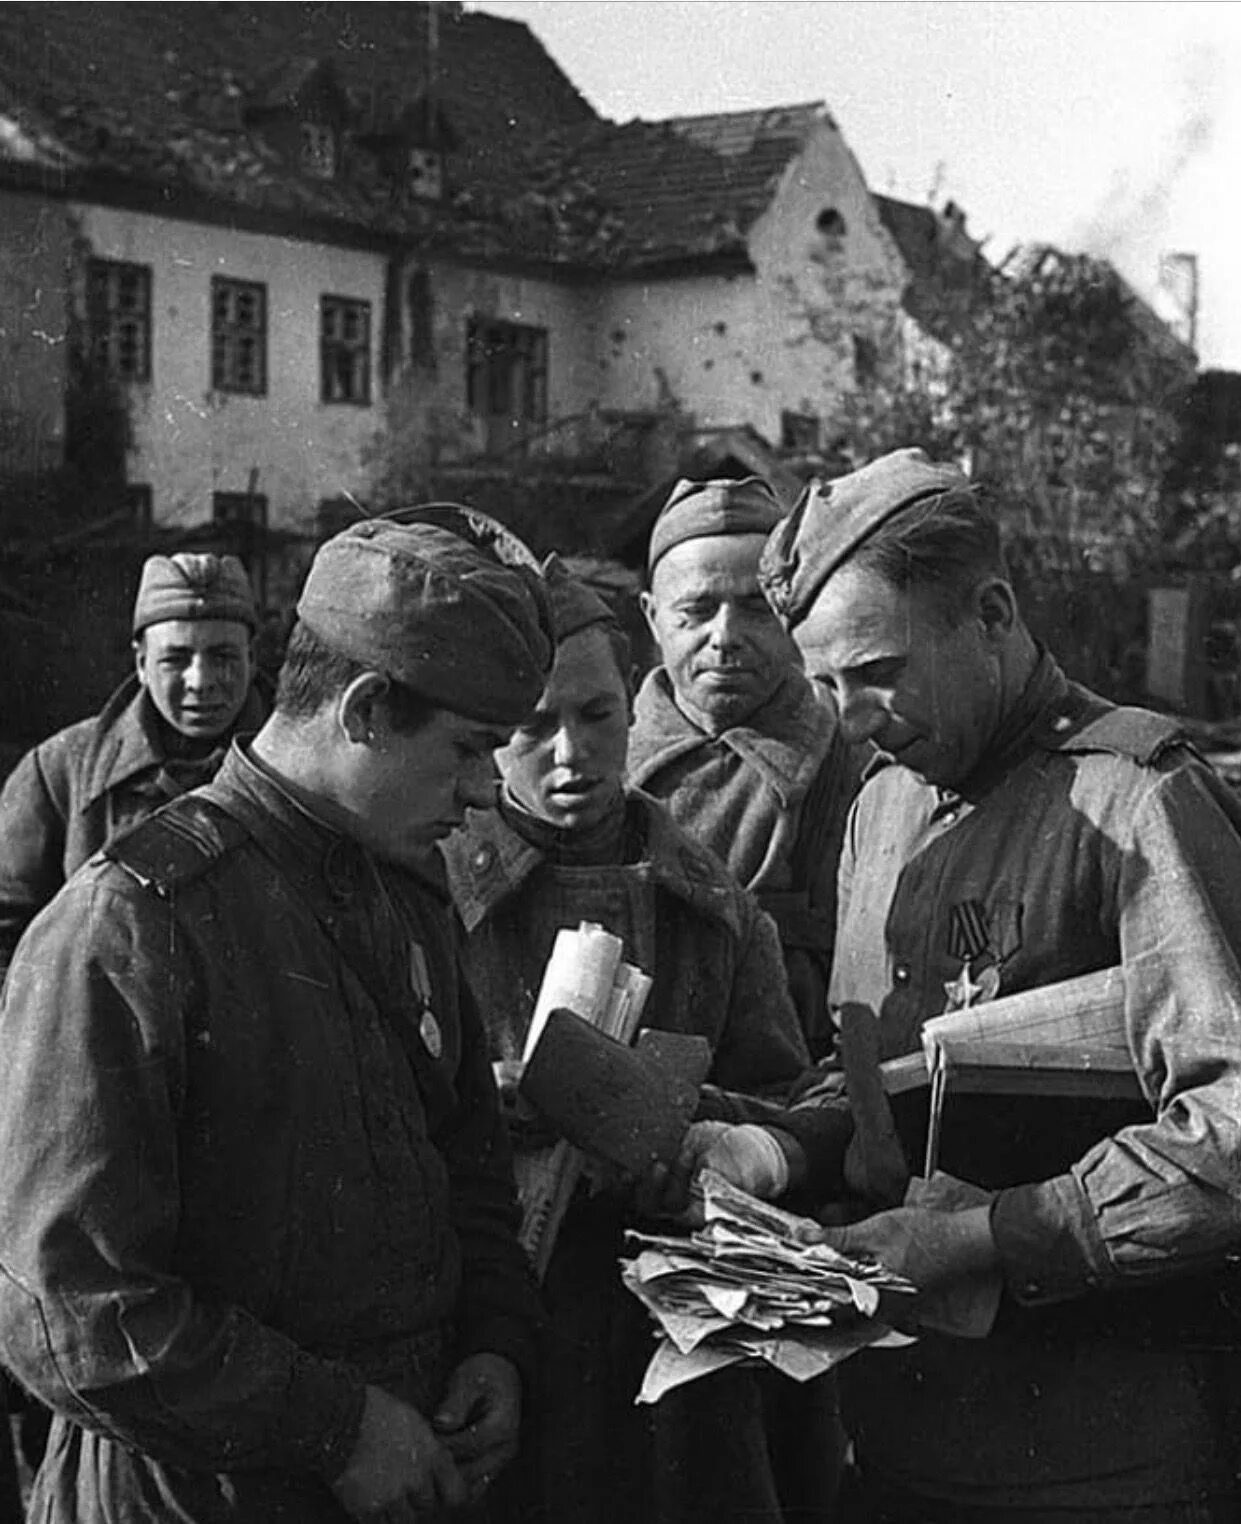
point(754, 1283)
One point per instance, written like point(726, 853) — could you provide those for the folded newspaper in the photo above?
point(754, 1283)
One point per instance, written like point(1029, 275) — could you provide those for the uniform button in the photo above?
point(483, 857)
point(1032, 1289)
point(950, 816)
point(1061, 723)
point(901, 973)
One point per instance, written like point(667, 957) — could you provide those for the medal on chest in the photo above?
point(420, 984)
point(969, 942)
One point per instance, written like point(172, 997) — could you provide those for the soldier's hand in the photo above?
point(479, 1418)
point(397, 1458)
point(747, 1156)
point(936, 1250)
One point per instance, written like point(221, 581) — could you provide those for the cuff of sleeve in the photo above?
point(823, 1133)
point(517, 1340)
point(1048, 1241)
point(332, 1396)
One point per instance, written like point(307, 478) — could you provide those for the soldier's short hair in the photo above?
point(313, 673)
point(942, 546)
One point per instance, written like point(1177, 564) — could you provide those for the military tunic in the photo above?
point(250, 1159)
point(717, 972)
point(1088, 837)
point(770, 798)
point(83, 786)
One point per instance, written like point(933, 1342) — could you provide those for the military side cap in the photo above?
point(193, 586)
point(696, 510)
point(434, 610)
point(831, 521)
point(575, 606)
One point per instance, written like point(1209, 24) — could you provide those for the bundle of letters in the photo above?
point(753, 1283)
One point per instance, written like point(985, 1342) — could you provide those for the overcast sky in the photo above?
point(1109, 127)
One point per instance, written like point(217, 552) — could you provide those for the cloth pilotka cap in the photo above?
point(193, 586)
point(831, 520)
point(434, 610)
point(696, 510)
point(575, 605)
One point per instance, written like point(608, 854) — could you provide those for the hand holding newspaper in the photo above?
point(586, 974)
point(754, 1283)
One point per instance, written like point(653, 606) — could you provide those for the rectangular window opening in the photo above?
point(345, 350)
point(118, 315)
point(238, 336)
point(506, 378)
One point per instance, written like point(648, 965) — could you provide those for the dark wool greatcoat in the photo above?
point(715, 960)
point(770, 798)
point(250, 1159)
point(83, 786)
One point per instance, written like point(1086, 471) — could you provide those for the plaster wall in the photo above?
point(743, 348)
point(191, 440)
point(36, 241)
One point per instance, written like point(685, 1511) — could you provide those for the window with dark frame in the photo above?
point(118, 315)
point(865, 360)
point(506, 373)
point(139, 504)
point(318, 154)
point(238, 336)
point(345, 350)
point(799, 431)
point(244, 515)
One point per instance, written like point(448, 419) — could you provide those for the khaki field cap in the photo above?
point(831, 520)
point(434, 610)
point(575, 606)
point(696, 510)
point(188, 586)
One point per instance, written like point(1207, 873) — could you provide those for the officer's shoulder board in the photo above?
point(1086, 723)
point(177, 844)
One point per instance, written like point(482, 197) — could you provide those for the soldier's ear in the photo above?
point(646, 601)
point(359, 708)
point(995, 607)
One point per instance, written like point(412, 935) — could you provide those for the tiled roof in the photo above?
point(946, 266)
point(157, 94)
point(164, 101)
point(687, 186)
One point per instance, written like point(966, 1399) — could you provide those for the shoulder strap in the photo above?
point(1140, 734)
point(177, 844)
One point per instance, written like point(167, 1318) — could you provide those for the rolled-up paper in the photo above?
point(579, 977)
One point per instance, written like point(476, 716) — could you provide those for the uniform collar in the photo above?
point(784, 741)
point(289, 825)
point(128, 737)
point(488, 862)
point(1044, 700)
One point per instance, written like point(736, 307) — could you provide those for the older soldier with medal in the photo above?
point(1019, 830)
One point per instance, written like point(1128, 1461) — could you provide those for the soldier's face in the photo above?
point(725, 651)
point(197, 672)
point(923, 688)
point(565, 766)
point(407, 790)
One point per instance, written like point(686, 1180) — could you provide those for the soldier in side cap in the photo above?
point(730, 734)
point(1017, 831)
point(255, 1195)
point(163, 731)
point(571, 842)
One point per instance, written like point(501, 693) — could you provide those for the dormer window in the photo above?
point(831, 227)
point(319, 150)
point(426, 174)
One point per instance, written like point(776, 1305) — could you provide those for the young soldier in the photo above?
point(256, 1216)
